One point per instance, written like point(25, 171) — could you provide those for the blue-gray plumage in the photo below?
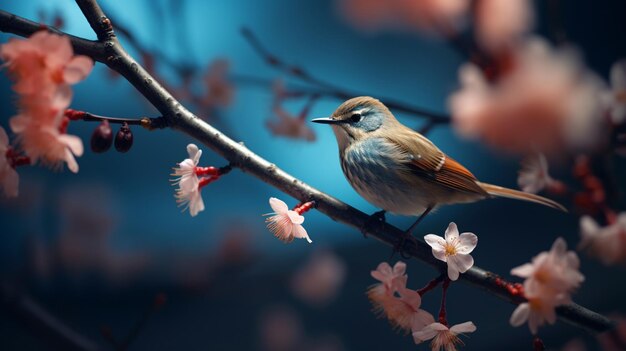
point(398, 169)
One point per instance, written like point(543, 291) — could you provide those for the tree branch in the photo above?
point(241, 157)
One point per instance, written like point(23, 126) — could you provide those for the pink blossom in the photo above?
point(545, 100)
point(500, 24)
point(443, 337)
point(321, 278)
point(608, 243)
point(392, 299)
point(551, 277)
point(534, 176)
point(8, 176)
point(220, 91)
point(43, 66)
point(188, 191)
point(455, 249)
point(617, 98)
point(284, 223)
point(444, 16)
point(290, 126)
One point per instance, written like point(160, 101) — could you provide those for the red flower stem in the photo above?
point(207, 171)
point(431, 285)
point(304, 207)
point(15, 159)
point(442, 309)
point(146, 122)
point(538, 344)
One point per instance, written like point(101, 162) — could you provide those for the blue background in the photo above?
point(137, 216)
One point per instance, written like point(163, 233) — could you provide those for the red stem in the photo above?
point(430, 285)
point(442, 310)
point(304, 207)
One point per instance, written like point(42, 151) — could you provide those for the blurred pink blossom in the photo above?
point(534, 176)
point(608, 243)
point(546, 100)
point(188, 192)
point(614, 340)
point(291, 126)
point(500, 24)
point(574, 345)
point(617, 98)
point(8, 176)
point(443, 16)
point(454, 249)
point(43, 67)
point(320, 280)
point(280, 329)
point(551, 277)
point(219, 90)
point(284, 223)
point(443, 337)
point(393, 300)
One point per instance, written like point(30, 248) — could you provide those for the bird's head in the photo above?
point(358, 118)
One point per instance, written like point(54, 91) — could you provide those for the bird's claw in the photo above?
point(400, 246)
point(376, 219)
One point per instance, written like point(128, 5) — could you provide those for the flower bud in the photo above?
point(124, 138)
point(102, 137)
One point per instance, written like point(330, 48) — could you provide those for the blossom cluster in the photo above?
point(550, 279)
point(43, 68)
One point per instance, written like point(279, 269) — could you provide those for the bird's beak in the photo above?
point(325, 120)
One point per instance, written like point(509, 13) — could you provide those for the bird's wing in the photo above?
point(427, 161)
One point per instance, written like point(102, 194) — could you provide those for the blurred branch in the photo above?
point(39, 321)
point(330, 89)
point(241, 157)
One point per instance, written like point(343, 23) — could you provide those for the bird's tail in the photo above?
point(499, 191)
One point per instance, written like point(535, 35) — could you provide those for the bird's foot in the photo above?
point(401, 245)
point(376, 220)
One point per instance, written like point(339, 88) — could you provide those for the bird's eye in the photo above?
point(356, 117)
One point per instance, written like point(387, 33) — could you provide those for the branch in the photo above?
point(241, 157)
point(331, 89)
point(30, 313)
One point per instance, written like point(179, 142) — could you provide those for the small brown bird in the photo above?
point(401, 171)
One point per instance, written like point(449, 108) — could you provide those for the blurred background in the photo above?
point(108, 252)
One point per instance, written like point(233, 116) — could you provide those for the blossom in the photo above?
point(284, 223)
point(320, 279)
point(219, 90)
point(544, 100)
point(188, 192)
point(500, 24)
point(606, 243)
point(534, 176)
point(288, 125)
point(427, 15)
point(455, 249)
point(8, 176)
point(551, 277)
point(43, 67)
point(443, 337)
point(392, 299)
point(617, 98)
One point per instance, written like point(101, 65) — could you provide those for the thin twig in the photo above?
point(331, 89)
point(240, 156)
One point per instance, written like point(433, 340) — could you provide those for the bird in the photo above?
point(401, 171)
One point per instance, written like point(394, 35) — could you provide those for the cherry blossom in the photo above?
point(392, 299)
point(500, 24)
point(219, 90)
point(188, 192)
point(608, 243)
point(430, 15)
point(444, 338)
point(43, 66)
point(291, 126)
point(544, 100)
point(617, 96)
point(8, 176)
point(551, 277)
point(534, 176)
point(284, 223)
point(455, 249)
point(320, 279)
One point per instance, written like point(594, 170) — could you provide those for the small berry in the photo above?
point(102, 137)
point(124, 138)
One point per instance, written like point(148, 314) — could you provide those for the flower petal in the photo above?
point(520, 315)
point(467, 327)
point(453, 271)
point(467, 243)
point(278, 205)
point(10, 182)
point(524, 271)
point(452, 232)
point(399, 268)
point(299, 232)
point(77, 69)
point(420, 320)
point(427, 333)
point(295, 218)
point(436, 242)
point(463, 262)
